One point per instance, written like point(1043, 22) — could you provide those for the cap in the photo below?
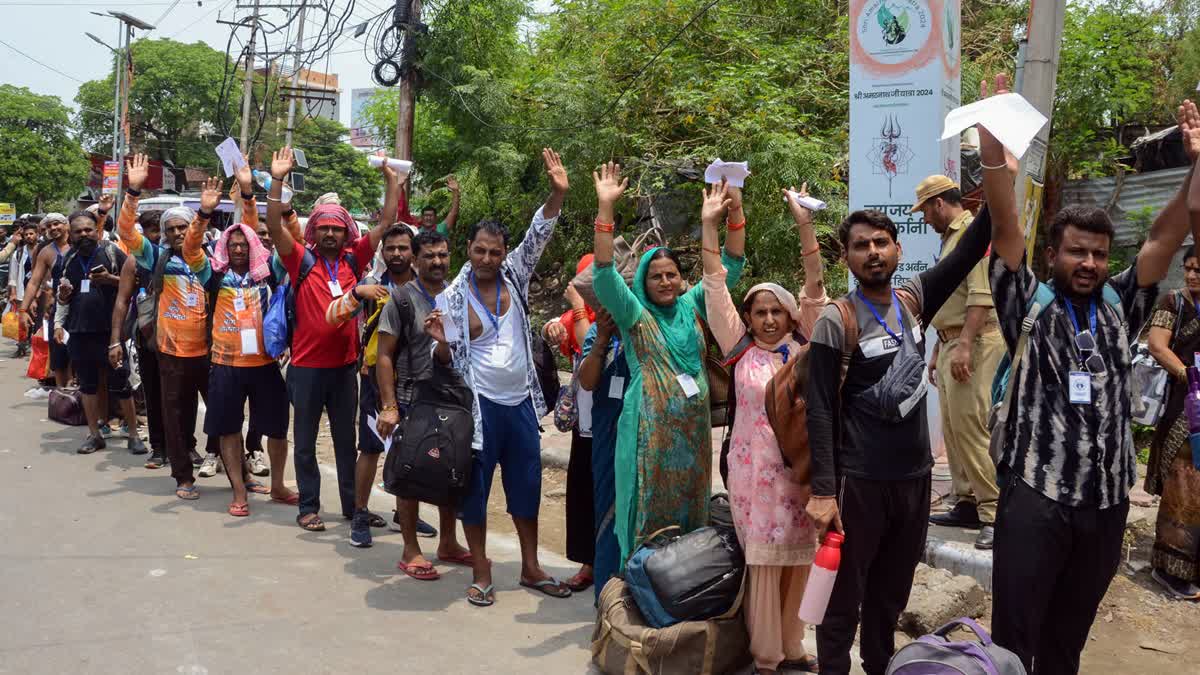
point(932, 187)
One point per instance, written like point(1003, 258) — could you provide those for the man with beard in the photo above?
point(48, 267)
point(324, 357)
point(135, 278)
point(880, 492)
point(404, 359)
point(87, 294)
point(1067, 459)
point(181, 277)
point(487, 305)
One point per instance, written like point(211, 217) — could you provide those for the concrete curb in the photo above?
point(555, 458)
point(959, 558)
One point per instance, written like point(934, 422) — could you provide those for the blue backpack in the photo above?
point(280, 320)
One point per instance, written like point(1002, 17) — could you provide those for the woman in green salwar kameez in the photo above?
point(664, 443)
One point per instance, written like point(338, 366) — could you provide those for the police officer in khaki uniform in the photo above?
point(968, 352)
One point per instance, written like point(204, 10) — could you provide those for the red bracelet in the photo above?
point(814, 249)
point(602, 226)
point(733, 227)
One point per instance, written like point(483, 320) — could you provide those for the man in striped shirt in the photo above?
point(1067, 460)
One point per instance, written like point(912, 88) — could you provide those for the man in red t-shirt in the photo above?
point(322, 373)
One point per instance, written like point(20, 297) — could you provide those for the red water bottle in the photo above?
point(820, 580)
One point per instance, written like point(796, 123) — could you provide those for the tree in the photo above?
point(176, 107)
point(41, 161)
point(335, 166)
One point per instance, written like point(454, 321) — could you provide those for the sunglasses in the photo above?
point(1085, 342)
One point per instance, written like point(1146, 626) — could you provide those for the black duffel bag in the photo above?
point(430, 461)
point(690, 577)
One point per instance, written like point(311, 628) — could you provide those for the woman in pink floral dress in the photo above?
point(768, 506)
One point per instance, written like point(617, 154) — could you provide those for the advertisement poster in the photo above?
point(110, 178)
point(904, 78)
point(8, 214)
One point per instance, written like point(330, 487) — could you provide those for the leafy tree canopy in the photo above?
point(42, 161)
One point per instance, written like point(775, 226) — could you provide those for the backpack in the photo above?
point(937, 654)
point(1043, 297)
point(689, 577)
point(431, 462)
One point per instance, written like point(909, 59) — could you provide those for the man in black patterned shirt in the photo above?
point(1067, 460)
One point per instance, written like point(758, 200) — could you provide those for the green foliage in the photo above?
point(174, 103)
point(42, 162)
point(335, 166)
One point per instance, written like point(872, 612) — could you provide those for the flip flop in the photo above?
point(465, 559)
point(579, 583)
point(239, 510)
point(257, 487)
point(424, 572)
point(189, 493)
point(313, 524)
point(291, 500)
point(487, 596)
point(548, 586)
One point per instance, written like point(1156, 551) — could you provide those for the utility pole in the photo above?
point(248, 85)
point(408, 83)
point(121, 94)
point(1037, 76)
point(291, 120)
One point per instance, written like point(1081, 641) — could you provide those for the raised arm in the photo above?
point(193, 241)
point(810, 250)
point(245, 186)
point(717, 201)
point(8, 250)
point(391, 205)
point(610, 288)
point(281, 165)
point(557, 173)
point(999, 174)
point(452, 217)
point(137, 172)
point(525, 256)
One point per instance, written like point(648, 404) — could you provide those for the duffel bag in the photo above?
point(622, 643)
point(690, 577)
point(65, 406)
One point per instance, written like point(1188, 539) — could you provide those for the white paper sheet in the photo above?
point(387, 442)
point(734, 173)
point(231, 156)
point(442, 305)
point(1011, 119)
point(810, 203)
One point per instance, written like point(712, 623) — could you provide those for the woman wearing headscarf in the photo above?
point(664, 443)
point(569, 332)
point(767, 502)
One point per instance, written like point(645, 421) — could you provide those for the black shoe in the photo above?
point(92, 444)
point(986, 538)
point(197, 460)
point(964, 514)
point(424, 529)
point(157, 460)
point(1176, 588)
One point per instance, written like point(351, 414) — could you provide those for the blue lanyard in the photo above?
point(333, 271)
point(895, 303)
point(424, 292)
point(239, 282)
point(87, 266)
point(494, 318)
point(1075, 320)
point(186, 269)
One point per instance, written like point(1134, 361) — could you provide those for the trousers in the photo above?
point(966, 408)
point(333, 391)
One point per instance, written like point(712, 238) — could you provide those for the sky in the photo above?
point(52, 31)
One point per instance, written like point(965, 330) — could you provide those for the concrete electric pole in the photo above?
point(408, 80)
point(248, 85)
point(291, 118)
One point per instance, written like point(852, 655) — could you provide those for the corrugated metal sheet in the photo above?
point(1145, 192)
point(1138, 192)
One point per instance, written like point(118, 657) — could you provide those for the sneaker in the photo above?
point(424, 529)
point(258, 464)
point(360, 529)
point(1177, 588)
point(210, 467)
point(157, 460)
point(136, 446)
point(106, 431)
point(37, 393)
point(125, 431)
point(197, 460)
point(92, 444)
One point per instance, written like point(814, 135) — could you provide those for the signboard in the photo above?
point(904, 78)
point(1031, 212)
point(109, 186)
point(8, 214)
point(168, 180)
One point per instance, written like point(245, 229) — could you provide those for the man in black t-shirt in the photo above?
point(87, 293)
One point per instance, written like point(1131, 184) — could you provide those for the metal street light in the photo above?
point(101, 42)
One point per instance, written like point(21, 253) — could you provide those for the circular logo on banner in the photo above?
point(894, 36)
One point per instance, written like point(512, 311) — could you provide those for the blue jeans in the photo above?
point(334, 391)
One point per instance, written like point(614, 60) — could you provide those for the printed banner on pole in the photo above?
point(904, 78)
point(110, 186)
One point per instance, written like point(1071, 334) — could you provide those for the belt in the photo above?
point(953, 333)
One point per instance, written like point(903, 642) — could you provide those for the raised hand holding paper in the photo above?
point(231, 156)
point(734, 173)
point(400, 166)
point(810, 203)
point(1010, 118)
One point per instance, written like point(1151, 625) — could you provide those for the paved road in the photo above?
point(105, 571)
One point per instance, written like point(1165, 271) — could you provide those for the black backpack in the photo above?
point(431, 459)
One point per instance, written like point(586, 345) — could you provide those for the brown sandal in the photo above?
point(311, 522)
